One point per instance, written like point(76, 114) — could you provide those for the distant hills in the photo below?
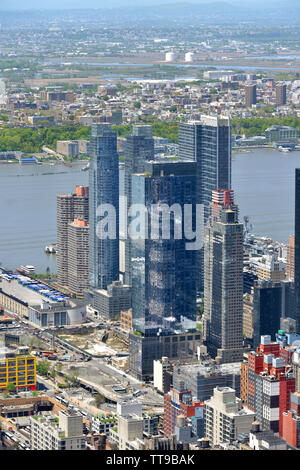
point(102, 4)
point(209, 10)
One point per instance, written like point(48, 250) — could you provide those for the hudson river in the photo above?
point(263, 181)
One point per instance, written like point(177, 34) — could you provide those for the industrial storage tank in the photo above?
point(170, 56)
point(189, 57)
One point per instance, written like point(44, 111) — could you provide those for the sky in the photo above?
point(67, 4)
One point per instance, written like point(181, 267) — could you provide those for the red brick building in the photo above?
point(291, 422)
point(178, 403)
point(269, 381)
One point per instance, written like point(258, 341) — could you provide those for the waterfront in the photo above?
point(216, 65)
point(263, 181)
point(264, 184)
point(28, 211)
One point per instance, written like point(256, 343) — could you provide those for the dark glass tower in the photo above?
point(164, 272)
point(207, 142)
point(267, 309)
point(250, 95)
point(139, 148)
point(103, 189)
point(297, 249)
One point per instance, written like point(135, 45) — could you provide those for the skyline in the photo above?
point(150, 244)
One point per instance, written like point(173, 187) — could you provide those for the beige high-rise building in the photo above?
point(225, 417)
point(248, 319)
point(69, 207)
point(68, 148)
point(78, 257)
point(129, 435)
point(290, 258)
point(296, 369)
point(270, 267)
point(223, 279)
point(62, 433)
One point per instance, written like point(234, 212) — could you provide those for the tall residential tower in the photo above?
point(69, 207)
point(164, 270)
point(297, 249)
point(280, 94)
point(208, 143)
point(250, 95)
point(139, 148)
point(223, 283)
point(104, 190)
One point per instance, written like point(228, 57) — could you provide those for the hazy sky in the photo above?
point(61, 4)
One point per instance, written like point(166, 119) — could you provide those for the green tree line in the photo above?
point(257, 126)
point(31, 140)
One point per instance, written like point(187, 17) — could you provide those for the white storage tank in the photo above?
point(189, 57)
point(170, 56)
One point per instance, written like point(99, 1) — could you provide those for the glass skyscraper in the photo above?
point(103, 189)
point(138, 149)
point(267, 309)
point(164, 272)
point(297, 249)
point(207, 142)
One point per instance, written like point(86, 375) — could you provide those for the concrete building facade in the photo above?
point(62, 433)
point(223, 283)
point(69, 207)
point(225, 417)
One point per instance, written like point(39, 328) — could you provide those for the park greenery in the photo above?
point(257, 126)
point(42, 368)
point(31, 140)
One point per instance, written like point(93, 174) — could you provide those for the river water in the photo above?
point(28, 211)
point(217, 66)
point(264, 184)
point(263, 181)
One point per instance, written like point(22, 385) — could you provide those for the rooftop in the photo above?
point(209, 368)
point(28, 290)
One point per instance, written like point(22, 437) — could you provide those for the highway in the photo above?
point(146, 391)
point(115, 377)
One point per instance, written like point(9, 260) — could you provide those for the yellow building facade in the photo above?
point(19, 370)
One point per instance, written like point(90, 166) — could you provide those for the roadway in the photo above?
point(150, 397)
point(22, 437)
point(139, 390)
